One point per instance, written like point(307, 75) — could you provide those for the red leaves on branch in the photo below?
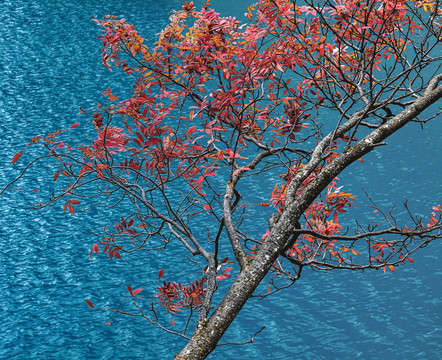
point(133, 292)
point(128, 165)
point(175, 296)
point(68, 205)
point(321, 216)
point(89, 303)
point(108, 94)
point(98, 120)
point(212, 92)
point(224, 274)
point(433, 219)
point(111, 139)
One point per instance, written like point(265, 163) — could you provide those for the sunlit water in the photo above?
point(49, 67)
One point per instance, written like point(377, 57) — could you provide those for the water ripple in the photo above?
point(49, 67)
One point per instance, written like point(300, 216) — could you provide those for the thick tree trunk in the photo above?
point(207, 335)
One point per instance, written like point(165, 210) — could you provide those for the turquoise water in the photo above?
point(49, 67)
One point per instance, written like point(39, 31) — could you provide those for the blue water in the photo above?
point(49, 67)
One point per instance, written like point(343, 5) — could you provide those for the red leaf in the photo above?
point(75, 125)
point(89, 303)
point(71, 209)
point(94, 248)
point(56, 175)
point(137, 291)
point(224, 260)
point(161, 273)
point(16, 157)
point(171, 322)
point(140, 137)
point(130, 290)
point(76, 202)
point(191, 130)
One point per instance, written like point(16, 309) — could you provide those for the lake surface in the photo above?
point(50, 66)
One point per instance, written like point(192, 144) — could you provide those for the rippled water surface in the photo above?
point(49, 67)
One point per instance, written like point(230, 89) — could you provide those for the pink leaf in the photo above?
point(200, 180)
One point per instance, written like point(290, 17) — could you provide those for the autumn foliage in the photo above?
point(295, 90)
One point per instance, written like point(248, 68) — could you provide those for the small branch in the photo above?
point(391, 231)
point(245, 342)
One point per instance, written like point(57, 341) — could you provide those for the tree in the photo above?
point(302, 89)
